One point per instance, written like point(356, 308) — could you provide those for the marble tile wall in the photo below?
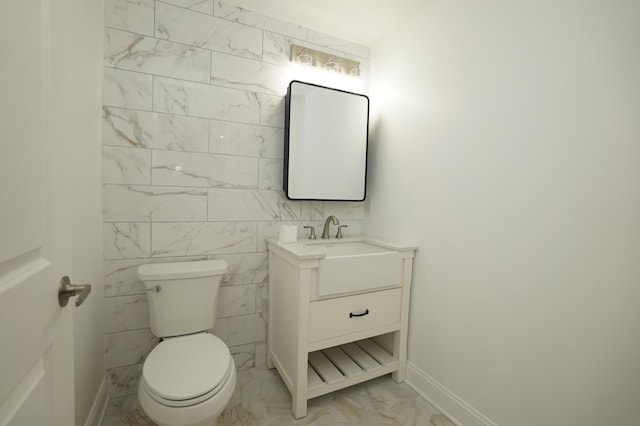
point(193, 116)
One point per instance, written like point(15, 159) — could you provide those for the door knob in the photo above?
point(67, 290)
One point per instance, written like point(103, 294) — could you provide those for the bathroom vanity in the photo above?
point(338, 313)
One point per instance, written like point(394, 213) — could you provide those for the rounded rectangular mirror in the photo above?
point(326, 139)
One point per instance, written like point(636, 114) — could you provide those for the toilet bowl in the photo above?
point(187, 380)
point(189, 377)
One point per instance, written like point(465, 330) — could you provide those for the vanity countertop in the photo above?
point(312, 249)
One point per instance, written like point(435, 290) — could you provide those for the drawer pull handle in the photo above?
point(351, 314)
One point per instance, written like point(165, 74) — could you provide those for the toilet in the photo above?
point(189, 377)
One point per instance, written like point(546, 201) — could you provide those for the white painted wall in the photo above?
point(506, 143)
point(86, 210)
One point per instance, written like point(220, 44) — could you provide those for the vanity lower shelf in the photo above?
point(346, 365)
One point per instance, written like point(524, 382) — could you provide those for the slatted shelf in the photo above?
point(313, 380)
point(325, 368)
point(366, 362)
point(341, 360)
point(375, 351)
point(341, 366)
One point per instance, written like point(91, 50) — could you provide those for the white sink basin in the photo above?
point(355, 266)
point(347, 248)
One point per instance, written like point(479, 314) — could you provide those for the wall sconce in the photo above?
point(316, 58)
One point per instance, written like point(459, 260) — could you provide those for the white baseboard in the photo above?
point(96, 415)
point(445, 401)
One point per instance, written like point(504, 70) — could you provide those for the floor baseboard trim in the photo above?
point(99, 407)
point(445, 401)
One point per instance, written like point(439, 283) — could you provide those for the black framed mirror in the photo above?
point(326, 142)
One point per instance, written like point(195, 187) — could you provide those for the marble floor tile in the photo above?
point(261, 398)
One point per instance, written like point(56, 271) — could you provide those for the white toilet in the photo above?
point(189, 378)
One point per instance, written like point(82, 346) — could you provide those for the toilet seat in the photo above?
point(186, 370)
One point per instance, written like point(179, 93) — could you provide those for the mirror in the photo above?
point(326, 138)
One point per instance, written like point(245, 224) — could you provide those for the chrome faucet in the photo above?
point(327, 226)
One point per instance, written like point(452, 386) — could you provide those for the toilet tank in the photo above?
point(182, 296)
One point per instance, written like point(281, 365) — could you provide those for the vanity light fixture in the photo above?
point(303, 58)
point(327, 61)
point(331, 65)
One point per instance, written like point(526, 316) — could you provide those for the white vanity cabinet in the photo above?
point(320, 344)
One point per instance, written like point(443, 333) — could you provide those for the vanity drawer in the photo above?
point(344, 315)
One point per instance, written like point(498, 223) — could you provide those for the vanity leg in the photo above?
point(400, 352)
point(400, 336)
point(300, 384)
point(399, 376)
point(299, 405)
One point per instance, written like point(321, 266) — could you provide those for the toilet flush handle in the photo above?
point(155, 288)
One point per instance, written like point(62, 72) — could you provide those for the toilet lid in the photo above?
point(186, 367)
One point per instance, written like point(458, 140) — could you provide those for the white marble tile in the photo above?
point(270, 175)
point(122, 381)
point(246, 139)
point(126, 313)
point(276, 48)
point(333, 42)
point(262, 297)
point(185, 239)
point(126, 240)
point(243, 356)
point(204, 6)
point(184, 26)
point(320, 210)
point(120, 277)
point(240, 330)
point(204, 170)
point(236, 39)
point(205, 101)
point(245, 268)
point(129, 15)
point(179, 133)
point(130, 203)
point(261, 398)
point(236, 300)
point(261, 354)
point(126, 165)
point(128, 347)
point(272, 111)
point(270, 230)
point(227, 204)
point(126, 89)
point(354, 227)
point(126, 127)
point(241, 15)
point(125, 411)
point(248, 74)
point(135, 52)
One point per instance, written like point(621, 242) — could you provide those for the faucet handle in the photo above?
point(312, 233)
point(339, 234)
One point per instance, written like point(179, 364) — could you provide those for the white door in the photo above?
point(36, 340)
